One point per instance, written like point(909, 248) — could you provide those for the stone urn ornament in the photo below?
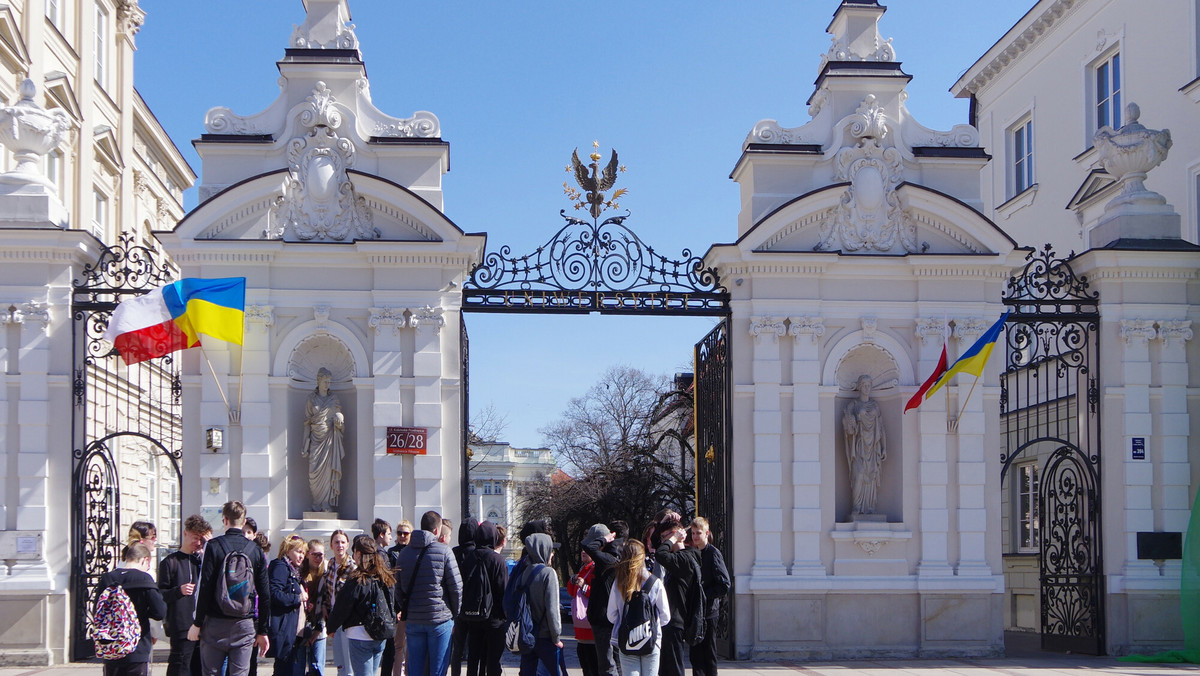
point(1128, 154)
point(30, 132)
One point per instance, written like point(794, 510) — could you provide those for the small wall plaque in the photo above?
point(407, 440)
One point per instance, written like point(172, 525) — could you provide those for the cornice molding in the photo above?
point(1020, 43)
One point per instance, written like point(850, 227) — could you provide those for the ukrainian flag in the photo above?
point(173, 317)
point(975, 358)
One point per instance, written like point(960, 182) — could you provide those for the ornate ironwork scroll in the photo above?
point(597, 266)
point(1050, 412)
point(136, 408)
point(714, 446)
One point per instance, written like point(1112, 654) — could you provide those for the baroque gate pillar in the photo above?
point(768, 430)
point(807, 528)
point(387, 371)
point(932, 463)
point(427, 408)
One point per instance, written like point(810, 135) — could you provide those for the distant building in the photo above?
point(499, 476)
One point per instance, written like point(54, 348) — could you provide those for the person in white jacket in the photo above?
point(631, 577)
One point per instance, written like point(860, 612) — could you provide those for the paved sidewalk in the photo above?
point(1068, 665)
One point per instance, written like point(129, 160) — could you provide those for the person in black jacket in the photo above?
point(288, 598)
point(404, 531)
point(178, 575)
point(605, 549)
point(225, 639)
point(680, 565)
point(485, 638)
point(465, 548)
point(134, 577)
point(370, 582)
point(714, 579)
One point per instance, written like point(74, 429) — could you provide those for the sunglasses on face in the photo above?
point(403, 533)
point(317, 555)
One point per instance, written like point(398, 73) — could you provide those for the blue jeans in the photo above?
point(365, 657)
point(428, 648)
point(341, 653)
point(316, 658)
point(644, 665)
point(545, 655)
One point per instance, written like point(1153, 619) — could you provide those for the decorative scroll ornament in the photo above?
point(806, 327)
point(387, 318)
point(30, 132)
point(970, 329)
point(428, 317)
point(870, 326)
point(767, 326)
point(263, 315)
point(321, 317)
point(601, 266)
point(869, 216)
point(931, 330)
point(1175, 331)
point(1138, 332)
point(319, 201)
point(35, 312)
point(130, 17)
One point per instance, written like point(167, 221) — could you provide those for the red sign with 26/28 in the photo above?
point(407, 440)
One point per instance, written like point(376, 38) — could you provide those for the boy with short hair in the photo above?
point(178, 575)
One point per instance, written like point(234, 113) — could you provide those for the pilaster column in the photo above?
point(33, 416)
point(932, 466)
point(427, 406)
point(768, 462)
point(7, 318)
point(806, 333)
point(216, 470)
point(972, 467)
point(387, 369)
point(1174, 470)
point(1136, 335)
point(255, 413)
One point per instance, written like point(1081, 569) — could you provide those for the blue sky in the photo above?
point(674, 87)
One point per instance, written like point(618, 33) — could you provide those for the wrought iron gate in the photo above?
point(714, 446)
point(464, 392)
point(1050, 411)
point(116, 408)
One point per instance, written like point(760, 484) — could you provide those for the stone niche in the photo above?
point(875, 362)
point(309, 356)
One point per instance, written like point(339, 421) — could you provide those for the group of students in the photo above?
point(420, 607)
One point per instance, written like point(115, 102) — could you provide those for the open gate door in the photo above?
point(714, 496)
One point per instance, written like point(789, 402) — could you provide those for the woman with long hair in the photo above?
point(369, 585)
point(634, 580)
point(337, 571)
point(288, 602)
point(312, 576)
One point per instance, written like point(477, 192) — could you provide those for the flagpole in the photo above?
point(213, 371)
point(964, 406)
point(241, 381)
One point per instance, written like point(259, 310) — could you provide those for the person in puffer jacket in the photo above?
point(541, 591)
point(428, 594)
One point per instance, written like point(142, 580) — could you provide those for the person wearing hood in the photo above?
point(465, 548)
point(604, 547)
point(134, 577)
point(540, 583)
point(485, 637)
point(428, 592)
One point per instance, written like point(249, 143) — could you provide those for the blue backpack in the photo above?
point(520, 637)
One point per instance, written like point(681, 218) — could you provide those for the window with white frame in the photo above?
point(1106, 76)
point(54, 170)
point(1027, 507)
point(1020, 145)
point(56, 12)
point(100, 32)
point(99, 215)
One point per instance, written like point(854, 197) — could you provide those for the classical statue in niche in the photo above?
point(323, 425)
point(862, 424)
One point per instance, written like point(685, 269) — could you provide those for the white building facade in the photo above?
point(499, 476)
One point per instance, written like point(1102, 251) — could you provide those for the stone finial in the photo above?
point(326, 27)
point(30, 132)
point(854, 34)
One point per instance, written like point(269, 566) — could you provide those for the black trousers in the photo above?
point(117, 668)
point(703, 655)
point(606, 657)
point(184, 659)
point(671, 659)
point(589, 661)
point(458, 648)
point(389, 657)
point(485, 647)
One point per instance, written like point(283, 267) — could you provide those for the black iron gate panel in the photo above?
point(464, 392)
point(1050, 413)
point(116, 408)
point(714, 446)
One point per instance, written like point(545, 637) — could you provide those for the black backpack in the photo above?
point(477, 590)
point(638, 632)
point(694, 607)
point(236, 594)
point(379, 619)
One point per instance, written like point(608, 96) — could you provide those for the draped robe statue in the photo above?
point(862, 424)
point(323, 424)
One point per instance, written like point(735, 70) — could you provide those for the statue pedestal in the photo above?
point(870, 546)
point(319, 525)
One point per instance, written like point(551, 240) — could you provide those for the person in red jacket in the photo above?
point(580, 589)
